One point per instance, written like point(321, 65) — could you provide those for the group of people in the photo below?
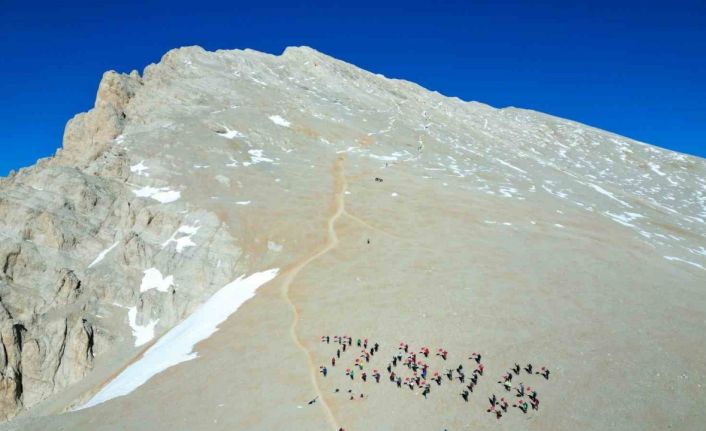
point(419, 374)
point(499, 407)
point(409, 368)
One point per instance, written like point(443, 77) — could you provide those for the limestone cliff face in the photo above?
point(89, 134)
point(55, 219)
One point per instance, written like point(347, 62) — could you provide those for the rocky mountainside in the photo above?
point(381, 203)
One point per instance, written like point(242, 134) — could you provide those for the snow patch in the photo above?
point(177, 345)
point(624, 218)
point(383, 158)
point(182, 237)
point(140, 169)
point(684, 261)
point(280, 121)
point(153, 279)
point(143, 333)
point(161, 194)
point(503, 162)
point(655, 168)
point(257, 157)
point(103, 254)
point(605, 192)
point(273, 246)
point(230, 134)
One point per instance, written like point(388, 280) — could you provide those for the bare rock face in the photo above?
point(10, 365)
point(75, 235)
point(89, 134)
point(68, 289)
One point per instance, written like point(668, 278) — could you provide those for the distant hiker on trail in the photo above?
point(543, 372)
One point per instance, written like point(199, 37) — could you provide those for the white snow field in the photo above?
point(177, 345)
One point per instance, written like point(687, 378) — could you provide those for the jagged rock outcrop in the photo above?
point(56, 219)
point(89, 134)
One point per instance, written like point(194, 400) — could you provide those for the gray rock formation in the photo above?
point(215, 164)
point(57, 217)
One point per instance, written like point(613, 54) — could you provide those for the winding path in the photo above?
point(338, 208)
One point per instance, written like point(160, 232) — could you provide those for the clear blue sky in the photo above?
point(635, 69)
